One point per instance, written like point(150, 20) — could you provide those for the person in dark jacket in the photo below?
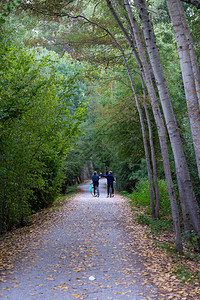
point(110, 182)
point(95, 181)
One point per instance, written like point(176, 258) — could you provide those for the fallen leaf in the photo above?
point(76, 296)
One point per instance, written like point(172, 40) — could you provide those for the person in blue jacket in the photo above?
point(110, 182)
point(95, 181)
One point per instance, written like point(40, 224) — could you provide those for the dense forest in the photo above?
point(101, 85)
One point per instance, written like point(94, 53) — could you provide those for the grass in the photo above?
point(184, 274)
point(72, 189)
point(140, 198)
point(155, 225)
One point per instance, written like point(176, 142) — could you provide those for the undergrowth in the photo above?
point(156, 225)
point(185, 274)
point(161, 230)
point(140, 197)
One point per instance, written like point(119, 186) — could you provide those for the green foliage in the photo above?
point(6, 8)
point(116, 140)
point(38, 122)
point(72, 189)
point(155, 225)
point(140, 196)
point(192, 240)
point(185, 274)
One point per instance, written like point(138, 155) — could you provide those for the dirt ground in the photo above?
point(89, 248)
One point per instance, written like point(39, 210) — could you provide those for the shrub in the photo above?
point(140, 196)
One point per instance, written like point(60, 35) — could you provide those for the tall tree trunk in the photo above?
point(143, 136)
point(153, 155)
point(193, 58)
point(1, 214)
point(182, 171)
point(160, 127)
point(158, 118)
point(154, 168)
point(149, 171)
point(189, 72)
point(144, 68)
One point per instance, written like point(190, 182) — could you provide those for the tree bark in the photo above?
point(190, 71)
point(144, 138)
point(149, 171)
point(160, 123)
point(153, 155)
point(182, 171)
point(145, 70)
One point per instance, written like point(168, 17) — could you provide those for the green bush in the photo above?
point(140, 196)
point(125, 194)
point(39, 123)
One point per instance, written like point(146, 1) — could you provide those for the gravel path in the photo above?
point(86, 253)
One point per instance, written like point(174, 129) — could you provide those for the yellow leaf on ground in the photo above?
point(76, 296)
point(64, 287)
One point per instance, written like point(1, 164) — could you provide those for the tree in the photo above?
point(38, 126)
point(190, 71)
point(157, 114)
point(182, 171)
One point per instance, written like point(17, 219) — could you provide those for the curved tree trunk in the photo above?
point(144, 68)
point(193, 58)
point(144, 138)
point(189, 72)
point(180, 161)
point(149, 171)
point(163, 141)
point(142, 127)
point(160, 127)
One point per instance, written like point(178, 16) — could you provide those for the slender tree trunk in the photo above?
point(144, 138)
point(153, 155)
point(149, 171)
point(193, 58)
point(180, 161)
point(159, 122)
point(144, 68)
point(189, 72)
point(160, 127)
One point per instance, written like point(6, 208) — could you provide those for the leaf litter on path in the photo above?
point(108, 248)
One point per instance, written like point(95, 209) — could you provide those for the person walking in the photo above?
point(95, 181)
point(110, 183)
